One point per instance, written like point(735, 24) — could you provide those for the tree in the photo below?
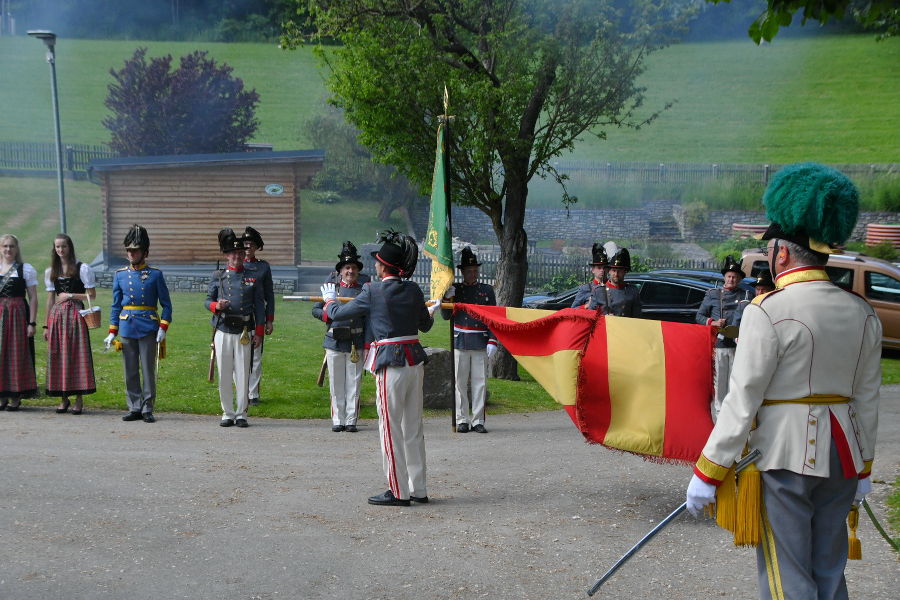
point(197, 108)
point(526, 78)
point(349, 168)
point(881, 15)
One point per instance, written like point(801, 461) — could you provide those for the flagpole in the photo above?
point(446, 119)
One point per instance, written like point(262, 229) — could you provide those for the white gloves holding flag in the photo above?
point(451, 292)
point(108, 340)
point(491, 349)
point(433, 308)
point(699, 494)
point(863, 487)
point(329, 292)
point(160, 335)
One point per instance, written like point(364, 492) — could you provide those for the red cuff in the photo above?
point(114, 330)
point(260, 330)
point(492, 342)
point(164, 325)
point(709, 321)
point(213, 307)
point(270, 318)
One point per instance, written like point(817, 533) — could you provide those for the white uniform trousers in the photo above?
point(471, 366)
point(256, 371)
point(724, 359)
point(233, 362)
point(343, 381)
point(399, 402)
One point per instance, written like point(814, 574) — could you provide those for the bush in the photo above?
point(197, 108)
point(884, 250)
point(734, 246)
point(563, 282)
point(880, 195)
point(695, 214)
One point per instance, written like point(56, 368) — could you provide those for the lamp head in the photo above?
point(47, 36)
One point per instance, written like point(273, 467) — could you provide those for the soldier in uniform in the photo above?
point(473, 344)
point(617, 297)
point(344, 344)
point(804, 391)
point(239, 314)
point(260, 273)
point(396, 312)
point(598, 266)
point(764, 283)
point(136, 291)
point(722, 307)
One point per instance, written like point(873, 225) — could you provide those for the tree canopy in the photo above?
point(198, 107)
point(526, 79)
point(883, 16)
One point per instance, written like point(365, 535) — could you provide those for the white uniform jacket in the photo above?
point(817, 349)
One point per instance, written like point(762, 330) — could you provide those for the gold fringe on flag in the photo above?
point(748, 516)
point(726, 501)
point(854, 551)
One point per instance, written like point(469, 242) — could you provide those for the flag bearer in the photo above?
point(804, 391)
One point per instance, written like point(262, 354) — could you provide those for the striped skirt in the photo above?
point(70, 366)
point(16, 365)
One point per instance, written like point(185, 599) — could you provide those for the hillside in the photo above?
point(832, 99)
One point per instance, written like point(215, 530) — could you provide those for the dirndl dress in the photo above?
point(17, 377)
point(70, 365)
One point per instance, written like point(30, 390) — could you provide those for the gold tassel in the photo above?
point(854, 551)
point(726, 499)
point(747, 523)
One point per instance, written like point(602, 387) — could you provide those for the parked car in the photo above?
point(663, 297)
point(876, 280)
point(713, 277)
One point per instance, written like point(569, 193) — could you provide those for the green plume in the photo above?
point(813, 199)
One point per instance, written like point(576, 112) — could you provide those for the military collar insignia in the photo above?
point(613, 286)
point(800, 275)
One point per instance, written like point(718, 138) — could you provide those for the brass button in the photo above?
point(812, 461)
point(813, 422)
point(812, 441)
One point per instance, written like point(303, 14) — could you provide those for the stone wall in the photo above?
point(193, 283)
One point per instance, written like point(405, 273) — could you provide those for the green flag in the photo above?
point(438, 246)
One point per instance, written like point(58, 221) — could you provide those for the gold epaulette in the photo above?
point(759, 299)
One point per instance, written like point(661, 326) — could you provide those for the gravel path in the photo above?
point(97, 508)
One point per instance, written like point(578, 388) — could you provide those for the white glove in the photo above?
point(328, 292)
point(108, 340)
point(160, 335)
point(862, 488)
point(491, 350)
point(433, 308)
point(451, 292)
point(699, 494)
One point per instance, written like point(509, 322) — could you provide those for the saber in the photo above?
point(448, 305)
point(878, 526)
point(743, 464)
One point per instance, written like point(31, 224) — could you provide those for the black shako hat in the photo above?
point(621, 259)
point(252, 235)
point(467, 258)
point(765, 278)
point(398, 251)
point(598, 256)
point(228, 241)
point(137, 239)
point(730, 264)
point(349, 255)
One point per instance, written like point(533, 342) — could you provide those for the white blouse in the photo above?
point(29, 273)
point(86, 273)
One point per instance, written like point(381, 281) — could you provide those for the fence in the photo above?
point(30, 156)
point(542, 268)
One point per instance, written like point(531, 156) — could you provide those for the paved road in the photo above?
point(97, 508)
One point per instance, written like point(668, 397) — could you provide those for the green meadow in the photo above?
point(827, 98)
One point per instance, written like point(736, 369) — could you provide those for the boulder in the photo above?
point(438, 387)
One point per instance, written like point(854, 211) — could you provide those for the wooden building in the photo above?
point(184, 200)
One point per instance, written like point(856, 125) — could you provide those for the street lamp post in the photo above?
point(49, 39)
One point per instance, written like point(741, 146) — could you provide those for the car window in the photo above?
point(882, 287)
point(840, 276)
point(695, 297)
point(653, 292)
point(758, 267)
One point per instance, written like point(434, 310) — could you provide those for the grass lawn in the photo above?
point(826, 98)
point(293, 355)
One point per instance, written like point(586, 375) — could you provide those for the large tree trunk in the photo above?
point(512, 269)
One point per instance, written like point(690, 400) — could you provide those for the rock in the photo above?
point(438, 387)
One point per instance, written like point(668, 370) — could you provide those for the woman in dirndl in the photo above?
point(70, 367)
point(18, 280)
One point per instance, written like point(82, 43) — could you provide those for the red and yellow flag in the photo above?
point(636, 385)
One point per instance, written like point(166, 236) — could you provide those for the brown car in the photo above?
point(876, 280)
